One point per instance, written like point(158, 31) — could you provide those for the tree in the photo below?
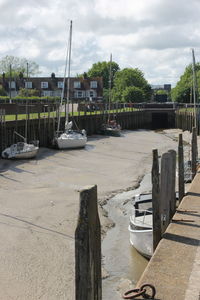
point(130, 78)
point(28, 93)
point(2, 91)
point(102, 69)
point(183, 89)
point(133, 94)
point(18, 65)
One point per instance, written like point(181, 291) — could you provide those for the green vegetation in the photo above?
point(18, 66)
point(183, 90)
point(53, 114)
point(130, 86)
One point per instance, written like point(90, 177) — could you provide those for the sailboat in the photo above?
point(110, 127)
point(69, 138)
point(22, 150)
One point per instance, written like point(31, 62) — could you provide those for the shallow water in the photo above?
point(120, 259)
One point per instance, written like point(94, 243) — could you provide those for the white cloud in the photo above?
point(152, 35)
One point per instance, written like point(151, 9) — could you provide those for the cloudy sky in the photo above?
point(155, 36)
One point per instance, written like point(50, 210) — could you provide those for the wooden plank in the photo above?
point(194, 151)
point(166, 188)
point(156, 200)
point(181, 184)
point(88, 248)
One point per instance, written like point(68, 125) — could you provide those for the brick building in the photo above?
point(80, 88)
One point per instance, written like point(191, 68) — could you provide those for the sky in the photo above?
point(155, 36)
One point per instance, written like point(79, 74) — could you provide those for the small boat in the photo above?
point(140, 227)
point(141, 224)
point(21, 150)
point(69, 139)
point(111, 127)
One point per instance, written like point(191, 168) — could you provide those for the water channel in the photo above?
point(121, 261)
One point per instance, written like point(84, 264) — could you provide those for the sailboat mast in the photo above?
point(69, 69)
point(194, 87)
point(26, 125)
point(63, 87)
point(110, 83)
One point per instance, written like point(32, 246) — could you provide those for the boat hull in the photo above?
point(71, 140)
point(142, 241)
point(28, 151)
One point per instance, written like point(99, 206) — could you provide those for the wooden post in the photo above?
point(172, 191)
point(181, 184)
point(156, 200)
point(194, 151)
point(88, 248)
point(167, 193)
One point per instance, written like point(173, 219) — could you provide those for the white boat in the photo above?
point(70, 138)
point(140, 227)
point(20, 150)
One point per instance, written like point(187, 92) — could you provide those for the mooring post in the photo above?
point(156, 199)
point(172, 191)
point(88, 248)
point(181, 184)
point(194, 151)
point(167, 189)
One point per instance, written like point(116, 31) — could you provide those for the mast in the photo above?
point(110, 83)
point(26, 126)
point(194, 87)
point(68, 75)
point(67, 63)
point(10, 84)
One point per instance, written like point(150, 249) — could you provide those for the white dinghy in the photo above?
point(140, 227)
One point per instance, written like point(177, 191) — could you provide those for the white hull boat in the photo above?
point(140, 227)
point(71, 139)
point(20, 150)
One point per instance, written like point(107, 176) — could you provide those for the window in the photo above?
point(44, 85)
point(28, 85)
point(12, 84)
point(79, 94)
point(91, 94)
point(93, 84)
point(60, 84)
point(77, 84)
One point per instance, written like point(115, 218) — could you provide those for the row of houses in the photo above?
point(85, 88)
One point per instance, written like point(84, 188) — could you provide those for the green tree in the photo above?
point(102, 69)
point(18, 65)
point(2, 91)
point(133, 94)
point(130, 78)
point(183, 89)
point(28, 93)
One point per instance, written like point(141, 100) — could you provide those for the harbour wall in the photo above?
point(43, 128)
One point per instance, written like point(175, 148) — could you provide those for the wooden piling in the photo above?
point(172, 190)
point(194, 151)
point(167, 190)
point(156, 200)
point(181, 184)
point(88, 248)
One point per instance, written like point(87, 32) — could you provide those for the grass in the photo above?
point(53, 114)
